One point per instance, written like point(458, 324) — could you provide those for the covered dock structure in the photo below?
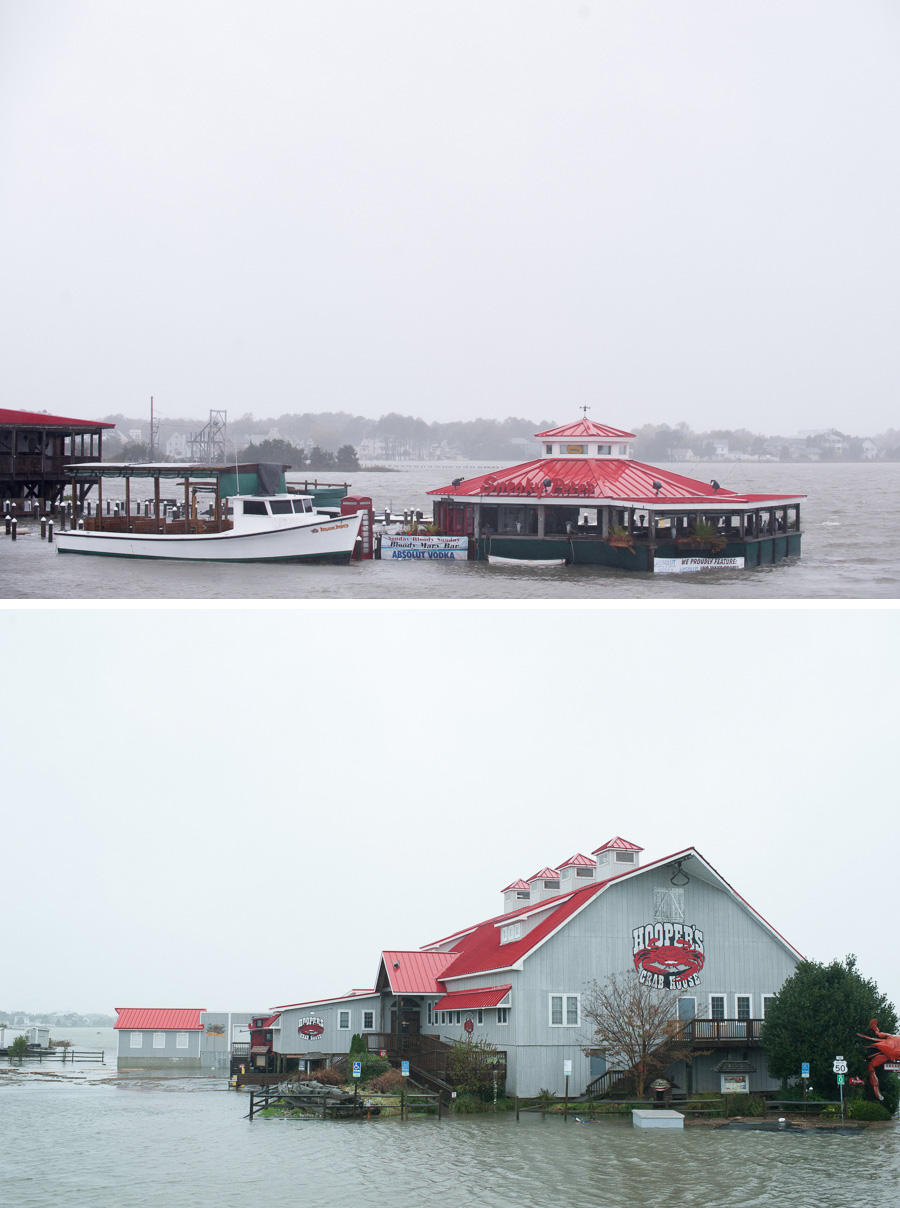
point(37, 451)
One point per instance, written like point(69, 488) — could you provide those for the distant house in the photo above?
point(870, 450)
point(178, 447)
point(159, 1036)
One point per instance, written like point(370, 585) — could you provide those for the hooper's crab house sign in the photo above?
point(668, 956)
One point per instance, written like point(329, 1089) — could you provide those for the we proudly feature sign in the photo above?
point(396, 546)
point(684, 566)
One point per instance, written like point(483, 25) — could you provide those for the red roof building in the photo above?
point(36, 449)
point(522, 979)
point(586, 499)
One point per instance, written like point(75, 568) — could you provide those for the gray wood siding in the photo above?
point(741, 957)
point(334, 1039)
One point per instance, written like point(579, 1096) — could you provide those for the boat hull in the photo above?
point(327, 541)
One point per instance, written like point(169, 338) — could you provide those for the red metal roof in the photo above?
point(615, 478)
point(472, 1000)
point(618, 844)
point(551, 874)
point(520, 884)
point(37, 419)
point(416, 972)
point(579, 860)
point(586, 427)
point(178, 1019)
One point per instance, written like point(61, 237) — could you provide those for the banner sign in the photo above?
point(684, 566)
point(311, 1026)
point(397, 546)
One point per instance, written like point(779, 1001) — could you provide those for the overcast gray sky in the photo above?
point(666, 210)
point(240, 808)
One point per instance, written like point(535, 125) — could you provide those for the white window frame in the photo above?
point(479, 1017)
point(502, 1017)
point(429, 1008)
point(625, 857)
point(765, 999)
point(602, 857)
point(724, 999)
point(137, 1040)
point(159, 1040)
point(564, 1002)
point(342, 1016)
point(749, 998)
point(510, 932)
point(369, 1014)
point(182, 1040)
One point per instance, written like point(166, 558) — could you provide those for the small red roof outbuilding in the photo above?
point(160, 1019)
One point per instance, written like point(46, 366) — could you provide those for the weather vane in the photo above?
point(585, 408)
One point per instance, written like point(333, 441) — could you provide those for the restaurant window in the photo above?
point(551, 884)
point(479, 1018)
point(549, 449)
point(743, 1006)
point(343, 1020)
point(602, 857)
point(181, 1040)
point(624, 857)
point(564, 1011)
point(137, 1040)
point(604, 450)
point(369, 1019)
point(503, 1015)
point(429, 1008)
point(584, 872)
point(717, 1006)
point(159, 1040)
point(767, 1000)
point(512, 931)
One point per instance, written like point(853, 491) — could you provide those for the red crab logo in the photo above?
point(310, 1028)
point(669, 966)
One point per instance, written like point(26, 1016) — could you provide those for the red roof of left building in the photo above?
point(38, 419)
point(177, 1019)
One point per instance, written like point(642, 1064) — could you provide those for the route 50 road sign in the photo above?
point(840, 1066)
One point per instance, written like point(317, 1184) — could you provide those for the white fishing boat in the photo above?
point(276, 526)
point(534, 563)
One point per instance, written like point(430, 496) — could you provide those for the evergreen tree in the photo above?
point(816, 1016)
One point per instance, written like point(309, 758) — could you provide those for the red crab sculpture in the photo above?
point(887, 1049)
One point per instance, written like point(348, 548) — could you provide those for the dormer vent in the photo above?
point(617, 856)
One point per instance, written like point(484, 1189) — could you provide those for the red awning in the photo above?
point(472, 1000)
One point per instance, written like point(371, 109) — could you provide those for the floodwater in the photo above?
point(90, 1137)
point(851, 550)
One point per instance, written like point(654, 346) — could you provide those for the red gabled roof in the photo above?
point(472, 1000)
point(481, 949)
point(579, 860)
point(618, 844)
point(37, 419)
point(551, 874)
point(586, 427)
point(416, 972)
point(614, 478)
point(178, 1019)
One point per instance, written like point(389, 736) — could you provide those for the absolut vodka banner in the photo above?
point(404, 547)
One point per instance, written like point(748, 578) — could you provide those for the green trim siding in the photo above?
point(595, 552)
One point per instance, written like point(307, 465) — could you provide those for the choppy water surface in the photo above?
point(851, 550)
point(92, 1138)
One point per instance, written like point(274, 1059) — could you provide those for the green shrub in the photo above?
point(756, 1106)
point(373, 1067)
point(467, 1103)
point(19, 1047)
point(867, 1109)
point(829, 1113)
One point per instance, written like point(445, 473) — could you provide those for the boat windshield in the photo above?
point(280, 507)
point(255, 507)
point(302, 505)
